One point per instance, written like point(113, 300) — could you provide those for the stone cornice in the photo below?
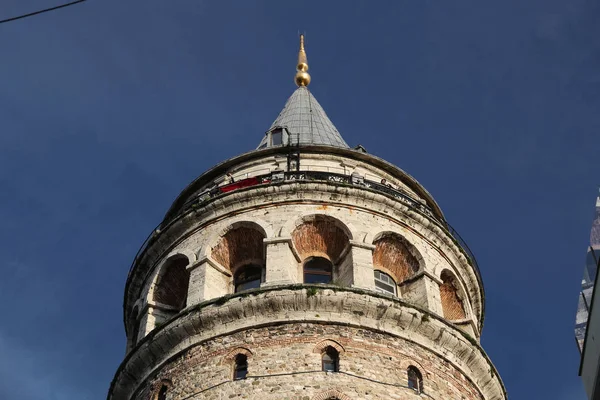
point(294, 304)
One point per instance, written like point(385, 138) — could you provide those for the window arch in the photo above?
point(384, 283)
point(330, 360)
point(452, 305)
point(247, 277)
point(331, 394)
point(396, 255)
point(241, 245)
point(318, 270)
point(172, 284)
point(415, 379)
point(240, 368)
point(321, 235)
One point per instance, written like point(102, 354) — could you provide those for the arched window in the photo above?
point(452, 305)
point(172, 285)
point(241, 245)
point(247, 277)
point(162, 393)
point(396, 255)
point(330, 360)
point(240, 370)
point(317, 270)
point(415, 379)
point(384, 283)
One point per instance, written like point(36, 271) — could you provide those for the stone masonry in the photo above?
point(185, 347)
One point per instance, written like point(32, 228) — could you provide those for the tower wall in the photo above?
point(280, 222)
point(277, 208)
point(284, 329)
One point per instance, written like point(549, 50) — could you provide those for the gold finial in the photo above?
point(302, 76)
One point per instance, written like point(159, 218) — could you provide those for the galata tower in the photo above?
point(304, 270)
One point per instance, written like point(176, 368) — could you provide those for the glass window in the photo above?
point(415, 380)
point(384, 283)
point(248, 277)
point(276, 137)
point(241, 367)
point(317, 270)
point(330, 360)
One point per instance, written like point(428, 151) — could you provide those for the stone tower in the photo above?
point(304, 270)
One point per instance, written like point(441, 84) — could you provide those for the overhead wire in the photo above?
point(41, 11)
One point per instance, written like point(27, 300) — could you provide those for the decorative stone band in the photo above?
point(296, 304)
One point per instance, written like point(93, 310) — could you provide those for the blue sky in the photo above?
point(110, 108)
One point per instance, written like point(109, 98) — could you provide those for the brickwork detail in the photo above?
point(320, 237)
point(392, 254)
point(239, 246)
point(331, 395)
point(451, 302)
point(323, 345)
point(172, 285)
point(234, 353)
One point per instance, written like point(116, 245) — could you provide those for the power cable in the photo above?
point(40, 11)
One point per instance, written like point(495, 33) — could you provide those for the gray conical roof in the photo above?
point(306, 122)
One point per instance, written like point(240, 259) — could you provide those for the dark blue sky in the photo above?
point(109, 108)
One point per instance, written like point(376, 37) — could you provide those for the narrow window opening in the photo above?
point(276, 137)
point(317, 270)
point(241, 367)
point(330, 360)
point(384, 283)
point(415, 379)
point(162, 393)
point(248, 277)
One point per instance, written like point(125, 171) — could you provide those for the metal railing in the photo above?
point(202, 198)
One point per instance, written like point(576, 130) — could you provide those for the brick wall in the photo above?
point(452, 304)
point(172, 286)
point(284, 362)
point(392, 254)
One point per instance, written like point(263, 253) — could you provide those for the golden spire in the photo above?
point(302, 76)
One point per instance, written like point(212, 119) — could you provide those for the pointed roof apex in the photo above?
point(302, 120)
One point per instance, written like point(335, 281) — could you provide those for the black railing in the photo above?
point(200, 199)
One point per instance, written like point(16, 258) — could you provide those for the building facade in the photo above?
point(587, 323)
point(305, 270)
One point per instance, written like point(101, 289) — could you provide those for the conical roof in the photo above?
point(305, 121)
